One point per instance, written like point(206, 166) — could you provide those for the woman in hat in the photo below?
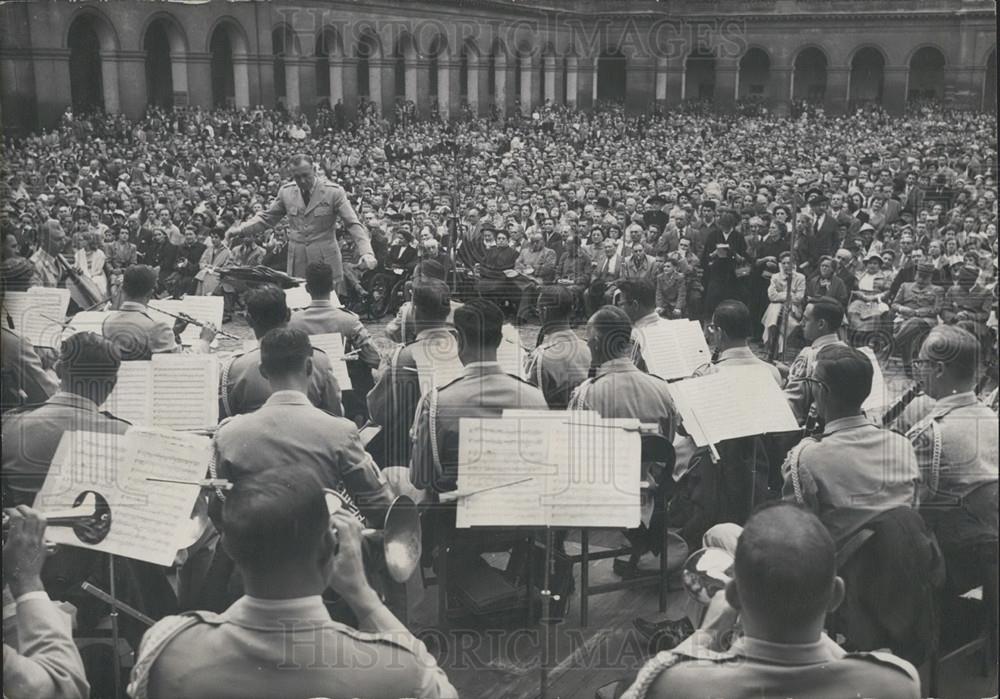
point(868, 311)
point(777, 294)
point(91, 260)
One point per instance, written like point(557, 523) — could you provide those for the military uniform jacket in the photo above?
point(311, 228)
point(622, 390)
point(797, 391)
point(756, 669)
point(31, 436)
point(242, 389)
point(854, 473)
point(136, 334)
point(558, 366)
point(25, 380)
point(253, 650)
point(977, 301)
point(956, 448)
point(392, 402)
point(485, 391)
point(288, 430)
point(321, 317)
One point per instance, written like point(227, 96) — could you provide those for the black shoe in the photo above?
point(665, 633)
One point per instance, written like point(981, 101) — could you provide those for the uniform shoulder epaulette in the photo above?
point(404, 641)
point(288, 184)
point(515, 376)
point(347, 310)
point(27, 407)
point(887, 660)
point(450, 383)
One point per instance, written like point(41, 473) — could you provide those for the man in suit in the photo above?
point(725, 250)
point(312, 206)
point(536, 265)
point(917, 304)
point(243, 388)
point(289, 549)
point(607, 271)
point(823, 236)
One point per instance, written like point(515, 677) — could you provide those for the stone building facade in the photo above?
point(121, 56)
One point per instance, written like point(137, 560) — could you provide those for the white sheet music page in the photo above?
point(38, 314)
point(673, 349)
point(600, 465)
point(132, 398)
point(185, 389)
point(333, 345)
point(437, 361)
point(147, 518)
point(510, 354)
point(297, 297)
point(508, 452)
point(737, 402)
point(206, 309)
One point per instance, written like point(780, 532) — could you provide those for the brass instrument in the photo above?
point(705, 572)
point(401, 535)
point(90, 527)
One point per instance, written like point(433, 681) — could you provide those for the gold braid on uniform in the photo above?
point(793, 469)
point(936, 447)
point(213, 472)
point(650, 671)
point(224, 385)
point(432, 407)
point(578, 400)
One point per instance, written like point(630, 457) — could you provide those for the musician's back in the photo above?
point(283, 648)
point(136, 334)
point(243, 389)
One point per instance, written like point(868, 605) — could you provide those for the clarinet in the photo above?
point(897, 408)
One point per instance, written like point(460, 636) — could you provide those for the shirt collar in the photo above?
point(957, 400)
point(474, 368)
point(822, 651)
point(648, 319)
point(287, 397)
point(254, 612)
point(72, 399)
point(737, 353)
point(846, 423)
point(439, 330)
point(617, 366)
point(132, 306)
point(317, 303)
point(824, 340)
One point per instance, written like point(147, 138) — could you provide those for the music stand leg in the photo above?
point(547, 617)
point(584, 575)
point(115, 637)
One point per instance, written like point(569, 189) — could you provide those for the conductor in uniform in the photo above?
point(312, 206)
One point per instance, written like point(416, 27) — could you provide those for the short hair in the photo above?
point(319, 278)
point(957, 348)
point(273, 517)
point(431, 299)
point(86, 357)
point(139, 281)
point(733, 317)
point(848, 372)
point(614, 331)
point(479, 323)
point(299, 159)
point(267, 307)
point(785, 563)
point(284, 351)
point(558, 300)
point(638, 290)
point(829, 309)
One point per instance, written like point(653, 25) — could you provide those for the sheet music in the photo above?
point(879, 397)
point(495, 452)
point(297, 297)
point(510, 354)
point(185, 388)
point(673, 349)
point(148, 518)
point(206, 309)
point(583, 470)
point(437, 361)
point(37, 314)
point(132, 398)
point(333, 345)
point(739, 402)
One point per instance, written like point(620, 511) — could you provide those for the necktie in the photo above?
point(305, 197)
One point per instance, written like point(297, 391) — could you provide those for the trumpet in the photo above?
point(400, 537)
point(194, 321)
point(90, 527)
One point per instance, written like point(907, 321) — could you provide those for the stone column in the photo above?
point(572, 81)
point(727, 72)
point(527, 71)
point(336, 79)
point(780, 89)
point(446, 69)
point(241, 81)
point(500, 84)
point(131, 72)
point(640, 89)
point(894, 80)
point(661, 81)
point(40, 84)
point(109, 82)
point(838, 80)
point(550, 79)
point(472, 84)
